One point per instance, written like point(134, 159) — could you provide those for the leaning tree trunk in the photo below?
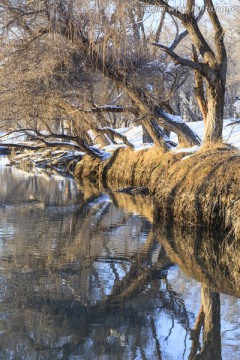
point(101, 138)
point(108, 131)
point(146, 138)
point(156, 118)
point(160, 139)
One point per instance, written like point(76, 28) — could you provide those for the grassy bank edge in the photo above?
point(201, 189)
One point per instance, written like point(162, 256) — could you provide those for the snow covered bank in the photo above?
point(231, 135)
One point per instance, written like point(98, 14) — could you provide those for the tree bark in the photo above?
point(146, 137)
point(157, 134)
point(111, 132)
point(101, 138)
point(215, 113)
point(199, 89)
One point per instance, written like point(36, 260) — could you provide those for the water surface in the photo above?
point(83, 276)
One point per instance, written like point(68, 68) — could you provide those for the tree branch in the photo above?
point(190, 6)
point(117, 134)
point(22, 146)
point(108, 108)
point(191, 24)
point(199, 89)
point(169, 9)
point(179, 60)
point(183, 34)
point(219, 32)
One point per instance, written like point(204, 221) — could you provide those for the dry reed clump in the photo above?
point(201, 189)
point(128, 168)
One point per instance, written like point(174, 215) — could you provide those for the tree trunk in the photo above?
point(169, 122)
point(215, 113)
point(93, 150)
point(108, 131)
point(146, 138)
point(157, 134)
point(186, 137)
point(101, 138)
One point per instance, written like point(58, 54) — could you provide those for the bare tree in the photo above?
point(212, 68)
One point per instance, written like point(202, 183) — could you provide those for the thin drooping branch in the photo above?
point(160, 26)
point(117, 98)
point(108, 108)
point(76, 143)
point(179, 80)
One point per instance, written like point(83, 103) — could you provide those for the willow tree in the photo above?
point(104, 37)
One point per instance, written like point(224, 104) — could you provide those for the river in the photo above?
point(84, 274)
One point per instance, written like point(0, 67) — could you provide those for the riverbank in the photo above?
point(200, 189)
point(48, 160)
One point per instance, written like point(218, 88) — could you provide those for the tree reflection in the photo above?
point(209, 319)
point(210, 259)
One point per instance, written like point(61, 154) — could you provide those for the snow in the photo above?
point(143, 147)
point(231, 135)
point(187, 150)
point(174, 118)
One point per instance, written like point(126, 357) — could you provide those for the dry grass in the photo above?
point(201, 189)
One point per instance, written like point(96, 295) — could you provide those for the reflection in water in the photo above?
point(211, 260)
point(83, 276)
